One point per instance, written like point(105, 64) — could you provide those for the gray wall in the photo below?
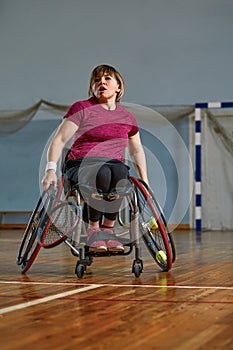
point(20, 160)
point(169, 51)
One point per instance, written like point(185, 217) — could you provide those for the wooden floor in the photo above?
point(50, 308)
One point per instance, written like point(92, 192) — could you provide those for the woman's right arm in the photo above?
point(64, 133)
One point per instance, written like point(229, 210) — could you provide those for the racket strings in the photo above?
point(60, 223)
point(145, 215)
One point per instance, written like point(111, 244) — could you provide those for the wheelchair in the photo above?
point(61, 216)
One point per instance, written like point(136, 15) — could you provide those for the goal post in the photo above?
point(199, 107)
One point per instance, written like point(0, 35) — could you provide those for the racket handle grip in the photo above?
point(51, 191)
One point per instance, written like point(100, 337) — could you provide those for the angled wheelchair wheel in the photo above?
point(163, 221)
point(29, 247)
point(153, 226)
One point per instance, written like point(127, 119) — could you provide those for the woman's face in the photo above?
point(105, 87)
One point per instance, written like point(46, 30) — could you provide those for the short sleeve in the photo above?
point(75, 113)
point(134, 130)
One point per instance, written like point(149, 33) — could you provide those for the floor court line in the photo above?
point(118, 285)
point(46, 299)
point(87, 287)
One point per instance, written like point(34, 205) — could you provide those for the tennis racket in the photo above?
point(58, 223)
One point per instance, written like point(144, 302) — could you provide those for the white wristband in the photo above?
point(51, 166)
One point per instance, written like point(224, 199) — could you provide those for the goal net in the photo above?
point(217, 168)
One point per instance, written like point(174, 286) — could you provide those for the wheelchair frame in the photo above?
point(142, 206)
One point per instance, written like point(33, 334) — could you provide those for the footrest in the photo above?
point(101, 236)
point(105, 236)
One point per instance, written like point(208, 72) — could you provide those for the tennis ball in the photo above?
point(161, 256)
point(153, 224)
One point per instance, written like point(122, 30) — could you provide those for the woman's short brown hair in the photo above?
point(106, 69)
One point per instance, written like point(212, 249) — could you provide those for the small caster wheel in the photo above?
point(137, 269)
point(80, 269)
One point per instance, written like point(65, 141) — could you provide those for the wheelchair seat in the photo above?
point(114, 194)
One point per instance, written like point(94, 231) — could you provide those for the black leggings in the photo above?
point(104, 177)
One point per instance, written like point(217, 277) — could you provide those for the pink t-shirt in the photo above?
point(101, 133)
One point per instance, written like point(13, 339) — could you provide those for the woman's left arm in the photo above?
point(138, 157)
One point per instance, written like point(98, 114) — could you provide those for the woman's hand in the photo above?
point(50, 178)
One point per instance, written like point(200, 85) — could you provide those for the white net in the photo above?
point(217, 169)
point(13, 121)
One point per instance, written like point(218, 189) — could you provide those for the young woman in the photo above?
point(101, 129)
